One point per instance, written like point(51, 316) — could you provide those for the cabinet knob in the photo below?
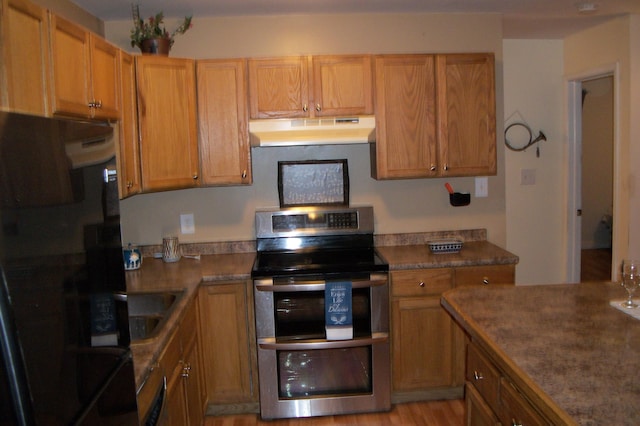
point(477, 375)
point(485, 280)
point(432, 168)
point(445, 167)
point(129, 184)
point(515, 422)
point(421, 284)
point(318, 107)
point(244, 174)
point(195, 176)
point(305, 108)
point(97, 104)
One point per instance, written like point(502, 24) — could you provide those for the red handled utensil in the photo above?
point(449, 187)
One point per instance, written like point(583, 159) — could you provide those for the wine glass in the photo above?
point(630, 280)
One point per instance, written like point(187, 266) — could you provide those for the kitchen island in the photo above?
point(570, 354)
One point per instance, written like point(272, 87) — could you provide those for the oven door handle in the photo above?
point(316, 285)
point(271, 344)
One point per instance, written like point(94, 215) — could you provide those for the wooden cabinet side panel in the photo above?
point(225, 343)
point(279, 87)
point(167, 123)
point(128, 147)
point(342, 85)
point(222, 117)
point(105, 79)
point(24, 72)
point(405, 117)
point(467, 114)
point(70, 68)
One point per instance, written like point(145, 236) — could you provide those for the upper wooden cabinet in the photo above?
point(225, 153)
point(342, 85)
point(304, 86)
point(405, 117)
point(466, 114)
point(128, 146)
point(167, 122)
point(435, 116)
point(84, 72)
point(24, 49)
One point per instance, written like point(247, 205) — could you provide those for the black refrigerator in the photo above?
point(65, 357)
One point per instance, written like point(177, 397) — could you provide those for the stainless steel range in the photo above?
point(305, 369)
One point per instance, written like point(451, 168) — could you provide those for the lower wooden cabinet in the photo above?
point(422, 332)
point(491, 398)
point(428, 348)
point(228, 342)
point(181, 363)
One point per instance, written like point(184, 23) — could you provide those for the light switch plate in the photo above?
point(187, 224)
point(482, 186)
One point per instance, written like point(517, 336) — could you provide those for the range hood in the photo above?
point(312, 131)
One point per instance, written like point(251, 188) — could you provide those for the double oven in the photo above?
point(302, 372)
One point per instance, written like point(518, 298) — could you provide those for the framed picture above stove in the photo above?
point(313, 183)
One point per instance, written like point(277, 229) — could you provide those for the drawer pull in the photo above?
point(485, 280)
point(421, 284)
point(515, 422)
point(477, 376)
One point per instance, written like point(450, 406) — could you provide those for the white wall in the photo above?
point(533, 88)
point(226, 213)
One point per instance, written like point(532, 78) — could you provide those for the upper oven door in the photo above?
point(289, 310)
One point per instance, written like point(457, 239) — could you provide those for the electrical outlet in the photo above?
point(187, 224)
point(482, 186)
point(528, 177)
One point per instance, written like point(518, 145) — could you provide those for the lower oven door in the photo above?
point(304, 379)
point(302, 374)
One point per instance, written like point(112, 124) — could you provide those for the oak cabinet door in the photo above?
point(167, 122)
point(279, 87)
point(342, 85)
point(229, 367)
point(128, 147)
point(405, 107)
point(105, 79)
point(466, 114)
point(222, 116)
point(24, 71)
point(71, 68)
point(422, 332)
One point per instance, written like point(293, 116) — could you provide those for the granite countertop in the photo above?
point(473, 253)
point(564, 346)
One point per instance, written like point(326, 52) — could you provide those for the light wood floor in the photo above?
point(431, 413)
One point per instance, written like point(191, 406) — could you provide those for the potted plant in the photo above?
point(151, 36)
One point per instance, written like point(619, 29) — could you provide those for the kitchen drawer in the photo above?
point(515, 409)
point(476, 410)
point(421, 282)
point(485, 275)
point(483, 375)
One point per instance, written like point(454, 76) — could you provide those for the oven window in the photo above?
point(300, 315)
point(325, 372)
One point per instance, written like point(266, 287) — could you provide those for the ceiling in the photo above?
point(521, 18)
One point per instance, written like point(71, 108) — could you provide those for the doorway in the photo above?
point(597, 179)
point(592, 175)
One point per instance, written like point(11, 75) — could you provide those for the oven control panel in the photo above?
point(310, 221)
point(316, 220)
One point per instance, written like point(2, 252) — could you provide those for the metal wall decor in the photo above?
point(519, 142)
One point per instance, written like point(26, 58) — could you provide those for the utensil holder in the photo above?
point(458, 199)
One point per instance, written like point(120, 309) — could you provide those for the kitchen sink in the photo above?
point(149, 311)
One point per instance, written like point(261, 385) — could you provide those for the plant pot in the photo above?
point(156, 46)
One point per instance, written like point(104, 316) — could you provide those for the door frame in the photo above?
point(573, 84)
